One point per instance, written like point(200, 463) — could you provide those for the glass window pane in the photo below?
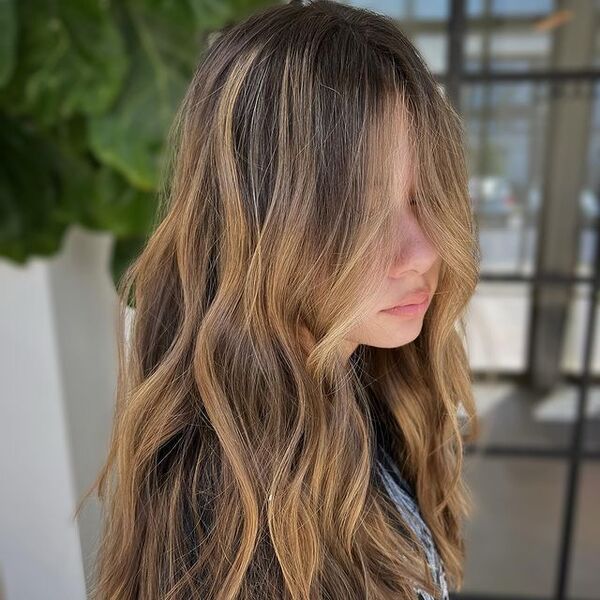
point(531, 35)
point(431, 9)
point(576, 329)
point(391, 8)
point(591, 428)
point(506, 130)
point(513, 415)
point(497, 325)
point(589, 202)
point(434, 48)
point(475, 8)
point(425, 23)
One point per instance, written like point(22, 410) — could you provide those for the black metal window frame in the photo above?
point(575, 453)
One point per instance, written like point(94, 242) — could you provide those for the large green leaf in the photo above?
point(167, 39)
point(31, 218)
point(125, 250)
point(71, 59)
point(90, 89)
point(215, 14)
point(8, 39)
point(45, 185)
point(118, 207)
point(165, 45)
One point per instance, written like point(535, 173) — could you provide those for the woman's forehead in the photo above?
point(397, 168)
point(402, 167)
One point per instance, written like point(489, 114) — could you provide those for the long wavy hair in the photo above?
point(241, 461)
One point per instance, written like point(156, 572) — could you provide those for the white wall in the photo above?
point(57, 369)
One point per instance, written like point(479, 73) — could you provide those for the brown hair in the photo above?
point(241, 459)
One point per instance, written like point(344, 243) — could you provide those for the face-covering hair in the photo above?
point(241, 458)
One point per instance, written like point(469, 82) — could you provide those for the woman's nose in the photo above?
point(414, 250)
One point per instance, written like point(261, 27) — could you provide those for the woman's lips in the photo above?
point(413, 304)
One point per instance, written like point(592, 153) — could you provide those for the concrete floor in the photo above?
point(513, 537)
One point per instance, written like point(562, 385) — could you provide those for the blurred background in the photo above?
point(87, 90)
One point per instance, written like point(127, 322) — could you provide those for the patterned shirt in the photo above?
point(403, 496)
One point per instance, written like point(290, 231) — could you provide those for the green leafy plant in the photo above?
point(88, 90)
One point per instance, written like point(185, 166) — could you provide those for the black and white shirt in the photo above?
point(404, 498)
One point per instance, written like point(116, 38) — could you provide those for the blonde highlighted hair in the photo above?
point(241, 458)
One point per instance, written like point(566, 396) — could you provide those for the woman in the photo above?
point(279, 432)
